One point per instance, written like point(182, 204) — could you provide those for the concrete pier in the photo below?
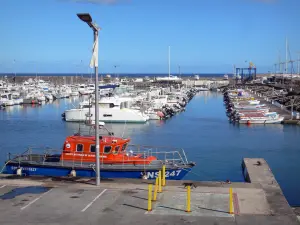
point(42, 200)
point(257, 171)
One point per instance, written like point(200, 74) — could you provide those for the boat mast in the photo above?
point(286, 56)
point(279, 61)
point(169, 63)
point(15, 70)
point(298, 66)
point(36, 71)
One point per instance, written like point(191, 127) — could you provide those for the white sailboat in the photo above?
point(170, 78)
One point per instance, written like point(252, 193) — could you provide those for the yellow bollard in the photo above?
point(230, 201)
point(188, 199)
point(164, 175)
point(159, 182)
point(149, 197)
point(155, 189)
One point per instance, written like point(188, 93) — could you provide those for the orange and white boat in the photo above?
point(118, 159)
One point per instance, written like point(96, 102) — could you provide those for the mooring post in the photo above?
point(188, 185)
point(155, 189)
point(164, 175)
point(149, 197)
point(231, 211)
point(159, 182)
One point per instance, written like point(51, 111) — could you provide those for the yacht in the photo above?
point(6, 99)
point(262, 118)
point(111, 109)
point(86, 90)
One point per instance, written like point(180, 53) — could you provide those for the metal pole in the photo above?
point(97, 118)
point(298, 68)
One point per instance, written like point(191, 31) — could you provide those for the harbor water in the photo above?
point(203, 131)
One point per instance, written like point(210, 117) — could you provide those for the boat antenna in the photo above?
point(169, 62)
point(78, 133)
point(124, 129)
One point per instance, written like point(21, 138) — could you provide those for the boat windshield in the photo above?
point(124, 147)
point(116, 150)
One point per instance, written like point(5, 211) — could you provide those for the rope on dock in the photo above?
point(189, 171)
point(4, 166)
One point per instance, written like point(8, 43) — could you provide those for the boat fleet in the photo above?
point(118, 103)
point(123, 105)
point(33, 91)
point(243, 108)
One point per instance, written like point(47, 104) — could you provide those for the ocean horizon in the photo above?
point(117, 75)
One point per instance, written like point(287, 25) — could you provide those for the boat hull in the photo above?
point(106, 115)
point(261, 121)
point(60, 171)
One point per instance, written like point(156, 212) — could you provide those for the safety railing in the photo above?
point(46, 155)
point(163, 153)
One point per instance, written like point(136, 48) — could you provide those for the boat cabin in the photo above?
point(112, 151)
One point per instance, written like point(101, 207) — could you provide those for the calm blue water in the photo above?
point(202, 130)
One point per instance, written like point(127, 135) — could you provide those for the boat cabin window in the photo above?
point(124, 146)
point(79, 148)
point(92, 148)
point(116, 150)
point(107, 149)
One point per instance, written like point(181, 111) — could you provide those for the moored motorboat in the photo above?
point(118, 159)
point(241, 107)
point(261, 118)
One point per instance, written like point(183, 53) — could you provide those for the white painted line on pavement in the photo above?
point(3, 186)
point(33, 201)
point(98, 196)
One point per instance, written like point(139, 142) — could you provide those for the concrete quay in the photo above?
point(42, 200)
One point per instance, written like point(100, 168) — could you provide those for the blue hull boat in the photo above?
point(63, 171)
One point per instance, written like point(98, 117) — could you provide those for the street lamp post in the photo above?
point(85, 17)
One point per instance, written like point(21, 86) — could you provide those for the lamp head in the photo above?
point(85, 17)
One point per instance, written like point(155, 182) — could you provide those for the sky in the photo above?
point(205, 36)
